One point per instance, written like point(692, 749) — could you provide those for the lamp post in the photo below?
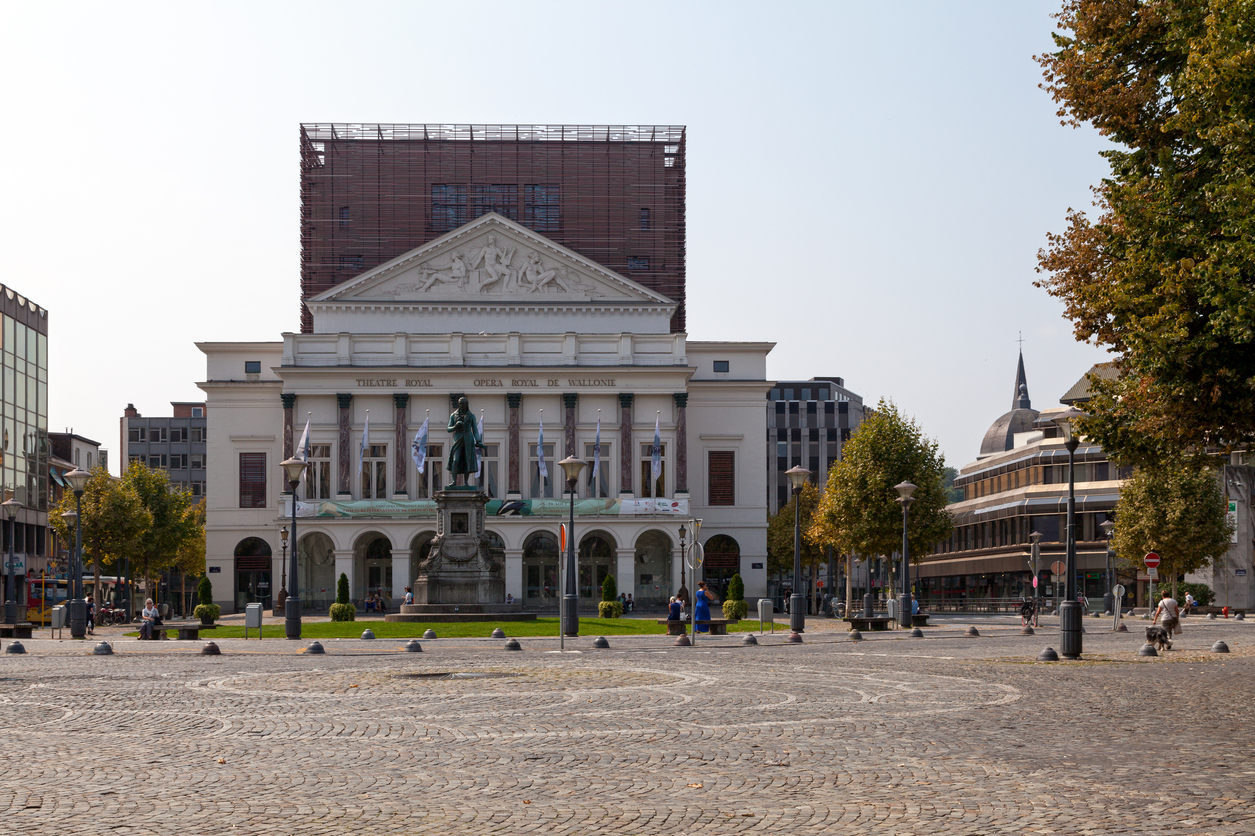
point(1108, 596)
point(293, 468)
point(78, 607)
point(572, 467)
point(1070, 610)
point(905, 489)
point(282, 598)
point(11, 507)
point(1034, 556)
point(797, 601)
point(683, 594)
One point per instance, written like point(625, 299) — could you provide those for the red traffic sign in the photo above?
point(819, 584)
point(1058, 567)
point(562, 538)
point(1152, 561)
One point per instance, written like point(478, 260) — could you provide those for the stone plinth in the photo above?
point(459, 570)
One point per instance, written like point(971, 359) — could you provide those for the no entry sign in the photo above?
point(1058, 567)
point(1152, 561)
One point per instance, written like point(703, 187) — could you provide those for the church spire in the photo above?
point(1020, 399)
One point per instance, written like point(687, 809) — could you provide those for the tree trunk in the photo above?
point(849, 585)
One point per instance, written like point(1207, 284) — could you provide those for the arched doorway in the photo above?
point(252, 573)
point(316, 562)
point(722, 561)
point(540, 571)
point(653, 570)
point(372, 566)
point(496, 546)
point(596, 561)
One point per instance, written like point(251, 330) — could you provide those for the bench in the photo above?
point(718, 626)
point(859, 622)
point(919, 619)
point(187, 631)
point(16, 631)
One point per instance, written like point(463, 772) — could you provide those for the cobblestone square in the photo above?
point(944, 734)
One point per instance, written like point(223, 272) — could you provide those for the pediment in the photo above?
point(491, 260)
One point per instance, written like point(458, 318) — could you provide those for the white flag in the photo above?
point(656, 468)
point(596, 458)
point(361, 451)
point(540, 449)
point(419, 448)
point(302, 448)
point(479, 433)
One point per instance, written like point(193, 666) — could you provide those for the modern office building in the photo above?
point(1019, 485)
point(453, 273)
point(25, 450)
point(808, 423)
point(613, 194)
point(175, 443)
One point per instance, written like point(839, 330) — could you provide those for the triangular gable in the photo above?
point(490, 260)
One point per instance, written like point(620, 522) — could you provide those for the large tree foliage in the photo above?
point(1175, 509)
point(1165, 276)
point(780, 533)
point(859, 512)
point(175, 523)
point(114, 518)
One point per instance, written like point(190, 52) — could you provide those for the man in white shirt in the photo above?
point(1171, 612)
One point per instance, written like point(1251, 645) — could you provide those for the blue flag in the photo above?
point(655, 469)
point(540, 449)
point(419, 447)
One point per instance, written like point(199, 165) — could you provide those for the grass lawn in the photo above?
point(479, 629)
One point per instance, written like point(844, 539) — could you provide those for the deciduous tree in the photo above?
point(1164, 276)
point(780, 534)
point(173, 527)
point(114, 518)
point(1175, 509)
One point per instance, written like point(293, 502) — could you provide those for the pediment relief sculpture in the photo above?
point(488, 269)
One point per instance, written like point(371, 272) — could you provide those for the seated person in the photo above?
point(151, 618)
point(370, 602)
point(674, 609)
point(381, 604)
point(631, 605)
point(509, 598)
point(409, 596)
point(914, 606)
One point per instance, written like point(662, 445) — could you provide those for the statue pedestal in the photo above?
point(459, 569)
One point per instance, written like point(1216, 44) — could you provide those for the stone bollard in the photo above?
point(794, 638)
point(1027, 630)
point(1123, 628)
point(855, 636)
point(498, 633)
point(368, 634)
point(1048, 655)
point(749, 639)
point(412, 646)
point(430, 634)
point(682, 641)
point(1148, 649)
point(917, 633)
point(210, 649)
point(513, 644)
point(315, 648)
point(102, 649)
point(1220, 647)
point(973, 632)
point(600, 643)
point(16, 647)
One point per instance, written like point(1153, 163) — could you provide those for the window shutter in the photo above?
point(722, 477)
point(252, 480)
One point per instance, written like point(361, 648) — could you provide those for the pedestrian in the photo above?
point(409, 596)
point(914, 606)
point(1170, 610)
point(1189, 604)
point(701, 607)
point(631, 605)
point(1084, 602)
point(91, 616)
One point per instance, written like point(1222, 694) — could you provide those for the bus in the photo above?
point(44, 593)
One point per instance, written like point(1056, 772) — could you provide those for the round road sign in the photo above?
point(1058, 567)
point(1152, 561)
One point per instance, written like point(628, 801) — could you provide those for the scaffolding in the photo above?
point(613, 193)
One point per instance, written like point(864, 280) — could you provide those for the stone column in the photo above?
point(344, 566)
point(625, 570)
point(681, 443)
point(625, 444)
point(402, 403)
point(289, 402)
point(344, 459)
point(515, 400)
point(569, 400)
point(400, 578)
point(514, 574)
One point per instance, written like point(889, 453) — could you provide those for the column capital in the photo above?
point(401, 399)
point(569, 399)
point(514, 399)
point(344, 401)
point(681, 399)
point(289, 400)
point(625, 399)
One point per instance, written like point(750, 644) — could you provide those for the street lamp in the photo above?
point(78, 607)
point(293, 468)
point(798, 476)
point(905, 489)
point(283, 586)
point(683, 593)
point(572, 467)
point(1108, 597)
point(11, 507)
point(1070, 611)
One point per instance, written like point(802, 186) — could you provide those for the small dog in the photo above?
point(1159, 637)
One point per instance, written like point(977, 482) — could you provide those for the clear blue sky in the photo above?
point(868, 183)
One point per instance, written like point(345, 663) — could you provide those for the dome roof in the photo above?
point(1000, 437)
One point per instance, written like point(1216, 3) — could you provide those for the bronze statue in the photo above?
point(467, 442)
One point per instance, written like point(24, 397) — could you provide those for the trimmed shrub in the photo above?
point(1202, 593)
point(735, 610)
point(609, 589)
point(342, 610)
point(207, 612)
point(204, 590)
point(609, 609)
point(736, 589)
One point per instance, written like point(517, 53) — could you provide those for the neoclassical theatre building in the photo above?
point(535, 335)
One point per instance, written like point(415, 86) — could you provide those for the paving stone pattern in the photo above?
point(940, 735)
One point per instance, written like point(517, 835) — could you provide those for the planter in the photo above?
point(206, 621)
